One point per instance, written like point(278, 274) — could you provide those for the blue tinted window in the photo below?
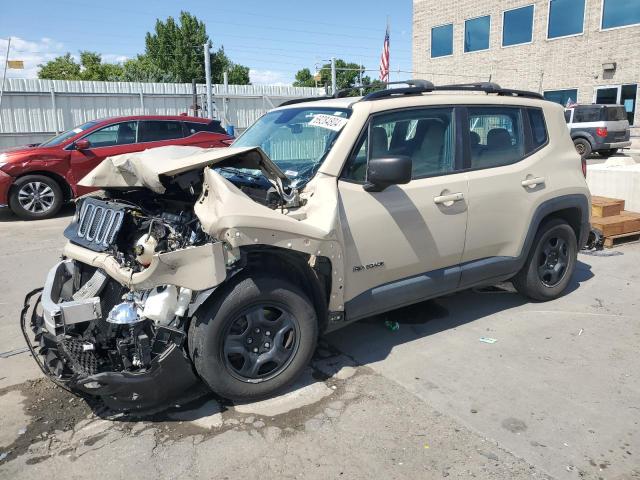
point(442, 40)
point(566, 17)
point(517, 26)
point(476, 34)
point(618, 13)
point(562, 96)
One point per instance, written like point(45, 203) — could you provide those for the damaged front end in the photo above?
point(108, 326)
point(113, 317)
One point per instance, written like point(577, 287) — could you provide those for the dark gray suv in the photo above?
point(598, 128)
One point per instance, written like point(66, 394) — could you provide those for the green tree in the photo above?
point(141, 69)
point(304, 79)
point(347, 75)
point(176, 48)
point(94, 69)
point(89, 68)
point(60, 68)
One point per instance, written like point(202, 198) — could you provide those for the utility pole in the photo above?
point(207, 75)
point(4, 75)
point(334, 79)
point(194, 97)
point(225, 100)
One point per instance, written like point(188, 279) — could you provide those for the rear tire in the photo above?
point(583, 147)
point(550, 263)
point(254, 338)
point(608, 153)
point(35, 197)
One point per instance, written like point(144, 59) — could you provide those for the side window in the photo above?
point(425, 135)
point(118, 134)
point(567, 116)
point(538, 128)
point(587, 114)
point(496, 136)
point(213, 127)
point(158, 130)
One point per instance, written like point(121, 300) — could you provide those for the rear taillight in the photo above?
point(227, 141)
point(601, 131)
point(584, 167)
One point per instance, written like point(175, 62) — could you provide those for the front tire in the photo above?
point(582, 146)
point(550, 264)
point(35, 197)
point(254, 338)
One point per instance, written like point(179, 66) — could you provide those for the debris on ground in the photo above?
point(488, 340)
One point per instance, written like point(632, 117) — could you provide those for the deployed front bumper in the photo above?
point(168, 377)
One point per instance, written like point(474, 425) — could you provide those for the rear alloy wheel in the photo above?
point(551, 262)
point(253, 338)
point(583, 147)
point(35, 197)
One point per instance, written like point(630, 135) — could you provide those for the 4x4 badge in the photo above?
point(369, 266)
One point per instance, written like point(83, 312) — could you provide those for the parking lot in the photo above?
point(556, 395)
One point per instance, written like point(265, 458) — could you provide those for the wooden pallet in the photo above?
point(614, 240)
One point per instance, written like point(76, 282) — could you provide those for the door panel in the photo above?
point(502, 196)
point(404, 228)
point(394, 237)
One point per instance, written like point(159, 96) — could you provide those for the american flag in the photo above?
point(384, 59)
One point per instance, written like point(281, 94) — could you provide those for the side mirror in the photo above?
point(82, 144)
point(387, 171)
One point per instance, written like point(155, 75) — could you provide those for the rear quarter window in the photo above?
point(213, 127)
point(616, 114)
point(538, 128)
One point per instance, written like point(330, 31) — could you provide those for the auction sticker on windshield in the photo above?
point(330, 122)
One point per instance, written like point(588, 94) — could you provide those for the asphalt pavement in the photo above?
point(554, 394)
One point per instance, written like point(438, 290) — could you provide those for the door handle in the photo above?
point(448, 199)
point(533, 182)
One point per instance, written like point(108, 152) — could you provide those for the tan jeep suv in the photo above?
point(224, 265)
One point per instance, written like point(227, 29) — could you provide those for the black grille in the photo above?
point(81, 359)
point(96, 224)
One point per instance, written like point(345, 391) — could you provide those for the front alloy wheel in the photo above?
point(35, 197)
point(260, 343)
point(253, 337)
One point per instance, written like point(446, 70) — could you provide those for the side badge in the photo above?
point(369, 266)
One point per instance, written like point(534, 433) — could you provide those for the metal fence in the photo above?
point(33, 110)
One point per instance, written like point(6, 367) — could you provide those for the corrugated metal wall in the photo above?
point(33, 110)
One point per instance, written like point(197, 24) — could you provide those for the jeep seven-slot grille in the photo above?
point(96, 225)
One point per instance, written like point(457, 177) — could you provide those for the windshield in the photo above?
point(63, 137)
point(297, 140)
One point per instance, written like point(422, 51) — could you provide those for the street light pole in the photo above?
point(334, 78)
point(207, 75)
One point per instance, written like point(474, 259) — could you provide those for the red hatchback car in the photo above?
point(36, 180)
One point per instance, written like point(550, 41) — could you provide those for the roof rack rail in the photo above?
point(488, 88)
point(303, 100)
point(415, 87)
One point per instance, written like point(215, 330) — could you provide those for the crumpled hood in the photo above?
point(144, 169)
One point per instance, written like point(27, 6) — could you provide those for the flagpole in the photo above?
point(4, 76)
point(389, 33)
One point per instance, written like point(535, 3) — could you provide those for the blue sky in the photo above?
point(274, 38)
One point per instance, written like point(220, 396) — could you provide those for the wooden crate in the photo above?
point(606, 207)
point(626, 222)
